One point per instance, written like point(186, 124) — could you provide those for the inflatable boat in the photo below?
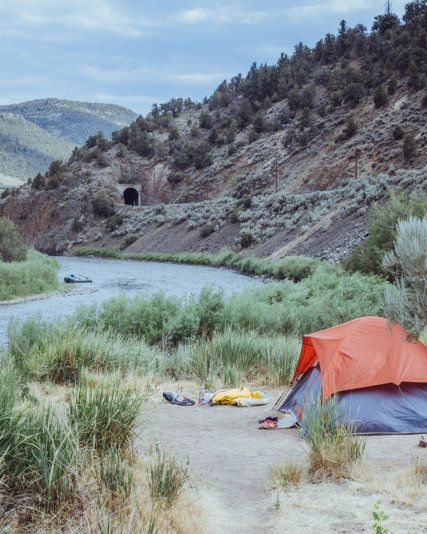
point(76, 279)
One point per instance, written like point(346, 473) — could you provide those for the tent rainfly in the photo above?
point(377, 377)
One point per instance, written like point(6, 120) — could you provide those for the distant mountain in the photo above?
point(34, 133)
point(74, 121)
point(26, 149)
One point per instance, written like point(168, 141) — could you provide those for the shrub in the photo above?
point(103, 206)
point(398, 133)
point(349, 130)
point(105, 415)
point(333, 447)
point(128, 240)
point(207, 230)
point(407, 303)
point(382, 222)
point(409, 147)
point(166, 477)
point(38, 182)
point(246, 239)
point(12, 246)
point(175, 178)
point(380, 97)
point(205, 120)
point(114, 222)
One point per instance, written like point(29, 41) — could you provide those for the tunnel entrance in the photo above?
point(130, 196)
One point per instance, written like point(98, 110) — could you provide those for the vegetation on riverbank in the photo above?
point(292, 267)
point(36, 275)
point(23, 271)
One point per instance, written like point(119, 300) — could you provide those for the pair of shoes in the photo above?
point(269, 418)
point(268, 424)
point(176, 398)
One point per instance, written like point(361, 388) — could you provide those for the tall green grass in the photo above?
point(236, 357)
point(105, 415)
point(60, 351)
point(37, 274)
point(38, 451)
point(167, 476)
point(333, 446)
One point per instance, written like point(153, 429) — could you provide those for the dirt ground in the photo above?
point(230, 459)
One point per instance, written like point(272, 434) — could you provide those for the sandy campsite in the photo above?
point(231, 460)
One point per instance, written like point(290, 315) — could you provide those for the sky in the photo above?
point(137, 52)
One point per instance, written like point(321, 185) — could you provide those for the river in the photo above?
point(113, 277)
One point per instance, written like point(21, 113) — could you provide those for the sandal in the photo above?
point(176, 398)
point(269, 418)
point(268, 425)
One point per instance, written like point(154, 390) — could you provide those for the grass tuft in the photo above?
point(286, 475)
point(333, 447)
point(106, 414)
point(167, 477)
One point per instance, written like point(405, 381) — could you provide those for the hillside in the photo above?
point(26, 149)
point(268, 163)
point(74, 121)
point(33, 134)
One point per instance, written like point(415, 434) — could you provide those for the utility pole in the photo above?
point(276, 174)
point(154, 184)
point(357, 159)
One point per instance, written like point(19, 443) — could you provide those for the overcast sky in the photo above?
point(136, 52)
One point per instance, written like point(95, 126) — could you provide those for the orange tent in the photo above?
point(365, 352)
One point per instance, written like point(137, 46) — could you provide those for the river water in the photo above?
point(113, 277)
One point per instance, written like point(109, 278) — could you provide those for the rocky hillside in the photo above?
point(284, 160)
point(33, 134)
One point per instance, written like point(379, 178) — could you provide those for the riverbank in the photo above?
point(35, 276)
point(293, 268)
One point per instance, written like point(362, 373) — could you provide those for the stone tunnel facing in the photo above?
point(130, 196)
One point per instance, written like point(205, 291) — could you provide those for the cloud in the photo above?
point(198, 14)
point(200, 77)
point(224, 14)
point(124, 100)
point(93, 15)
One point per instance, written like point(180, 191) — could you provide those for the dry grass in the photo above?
point(347, 506)
point(286, 475)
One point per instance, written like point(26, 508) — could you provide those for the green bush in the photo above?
point(409, 147)
point(103, 206)
point(114, 222)
point(207, 230)
point(246, 239)
point(128, 240)
point(12, 246)
point(382, 222)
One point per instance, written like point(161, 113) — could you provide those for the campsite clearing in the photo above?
point(230, 459)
